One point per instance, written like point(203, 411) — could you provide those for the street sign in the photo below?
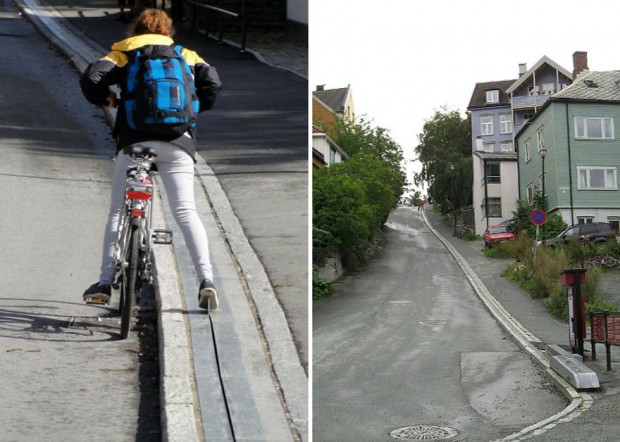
point(538, 217)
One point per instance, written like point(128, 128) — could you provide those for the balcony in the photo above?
point(529, 100)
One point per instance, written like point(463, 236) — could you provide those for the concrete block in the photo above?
point(575, 372)
point(555, 350)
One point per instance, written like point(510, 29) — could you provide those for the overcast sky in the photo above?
point(404, 59)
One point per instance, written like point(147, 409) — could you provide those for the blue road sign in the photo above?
point(538, 216)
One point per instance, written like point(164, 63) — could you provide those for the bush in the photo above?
point(339, 210)
point(320, 287)
point(546, 272)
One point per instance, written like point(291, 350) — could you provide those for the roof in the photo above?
point(503, 156)
point(479, 99)
point(544, 60)
point(317, 130)
point(594, 86)
point(335, 99)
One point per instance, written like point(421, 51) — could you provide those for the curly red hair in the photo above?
point(152, 21)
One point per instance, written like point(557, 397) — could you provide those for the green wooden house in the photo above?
point(575, 138)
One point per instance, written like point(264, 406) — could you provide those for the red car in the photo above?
point(495, 234)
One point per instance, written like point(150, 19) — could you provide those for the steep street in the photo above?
point(407, 343)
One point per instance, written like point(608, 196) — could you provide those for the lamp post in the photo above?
point(543, 154)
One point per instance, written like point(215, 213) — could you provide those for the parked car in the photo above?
point(591, 232)
point(497, 233)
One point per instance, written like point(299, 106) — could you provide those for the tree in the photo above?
point(353, 199)
point(363, 138)
point(444, 150)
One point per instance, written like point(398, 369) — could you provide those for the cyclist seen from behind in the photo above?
point(171, 132)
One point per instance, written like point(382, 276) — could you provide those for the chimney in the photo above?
point(522, 68)
point(320, 87)
point(580, 63)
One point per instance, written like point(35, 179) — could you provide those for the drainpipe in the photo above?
point(486, 194)
point(570, 169)
point(516, 144)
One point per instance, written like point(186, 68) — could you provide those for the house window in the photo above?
point(528, 150)
point(533, 90)
point(526, 118)
point(493, 207)
point(486, 125)
point(506, 146)
point(548, 88)
point(540, 138)
point(540, 183)
point(601, 128)
point(332, 156)
point(493, 96)
point(493, 173)
point(505, 124)
point(585, 219)
point(488, 147)
point(597, 178)
point(530, 193)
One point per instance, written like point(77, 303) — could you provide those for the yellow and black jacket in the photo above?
point(111, 70)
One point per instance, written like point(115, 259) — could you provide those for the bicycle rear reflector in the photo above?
point(136, 195)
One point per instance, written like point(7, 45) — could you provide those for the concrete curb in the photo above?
point(579, 402)
point(284, 358)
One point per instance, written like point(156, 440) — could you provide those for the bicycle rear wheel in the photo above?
point(129, 283)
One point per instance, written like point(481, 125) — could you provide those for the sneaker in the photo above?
point(97, 294)
point(207, 295)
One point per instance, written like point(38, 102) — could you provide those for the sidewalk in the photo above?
point(266, 391)
point(599, 422)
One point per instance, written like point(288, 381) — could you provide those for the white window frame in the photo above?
point(606, 126)
point(497, 203)
point(493, 179)
point(488, 147)
point(548, 88)
point(540, 138)
point(492, 96)
point(486, 125)
point(530, 193)
point(505, 124)
point(585, 219)
point(528, 150)
point(506, 146)
point(584, 177)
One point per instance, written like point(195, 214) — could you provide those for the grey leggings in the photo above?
point(176, 170)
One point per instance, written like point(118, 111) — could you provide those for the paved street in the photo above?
point(407, 342)
point(64, 375)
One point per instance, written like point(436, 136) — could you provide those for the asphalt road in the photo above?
point(407, 342)
point(64, 375)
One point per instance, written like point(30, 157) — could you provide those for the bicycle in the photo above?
point(132, 249)
point(460, 231)
point(602, 261)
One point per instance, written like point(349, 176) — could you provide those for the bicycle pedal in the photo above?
point(96, 300)
point(162, 236)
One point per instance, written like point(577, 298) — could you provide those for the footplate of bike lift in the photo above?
point(162, 236)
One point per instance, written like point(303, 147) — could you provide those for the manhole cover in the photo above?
point(424, 432)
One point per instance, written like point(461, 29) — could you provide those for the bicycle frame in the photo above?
point(137, 211)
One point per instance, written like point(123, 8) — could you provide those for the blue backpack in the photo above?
point(159, 96)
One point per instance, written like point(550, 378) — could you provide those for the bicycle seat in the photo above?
point(137, 150)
